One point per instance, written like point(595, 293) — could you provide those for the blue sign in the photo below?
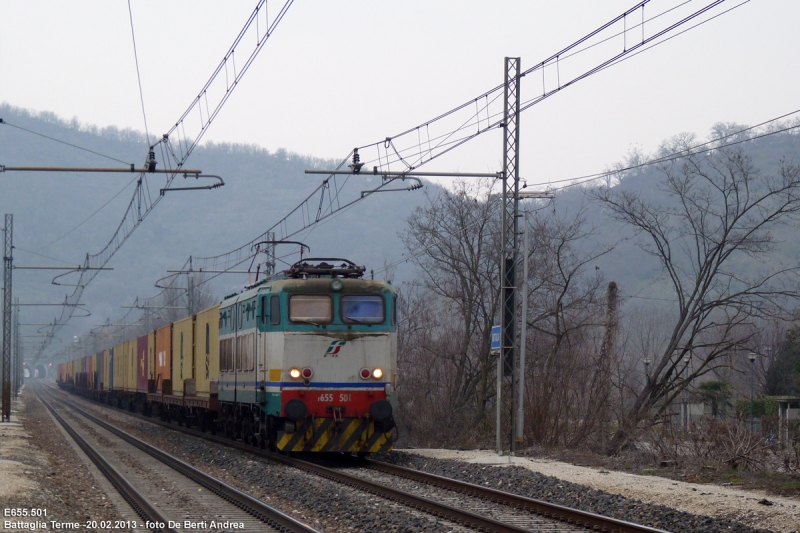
point(495, 338)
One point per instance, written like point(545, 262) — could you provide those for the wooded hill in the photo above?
point(261, 186)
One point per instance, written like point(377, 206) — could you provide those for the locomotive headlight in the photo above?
point(295, 373)
point(377, 373)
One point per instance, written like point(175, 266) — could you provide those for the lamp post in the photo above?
point(686, 359)
point(519, 425)
point(752, 356)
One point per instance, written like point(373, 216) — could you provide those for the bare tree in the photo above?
point(568, 376)
point(177, 302)
point(717, 213)
point(447, 372)
point(454, 240)
point(426, 386)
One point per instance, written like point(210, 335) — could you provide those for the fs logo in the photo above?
point(335, 348)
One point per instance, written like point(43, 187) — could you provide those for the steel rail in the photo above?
point(539, 507)
point(552, 511)
point(244, 501)
point(141, 505)
point(437, 509)
point(459, 516)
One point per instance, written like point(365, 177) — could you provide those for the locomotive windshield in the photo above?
point(363, 309)
point(312, 309)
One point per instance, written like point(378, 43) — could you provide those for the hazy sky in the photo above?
point(341, 74)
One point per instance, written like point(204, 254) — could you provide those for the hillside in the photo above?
point(261, 186)
point(638, 274)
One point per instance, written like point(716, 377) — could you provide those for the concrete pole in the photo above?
point(17, 352)
point(190, 290)
point(752, 357)
point(498, 429)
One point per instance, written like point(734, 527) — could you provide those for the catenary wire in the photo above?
point(455, 144)
point(593, 177)
point(138, 75)
point(447, 138)
point(625, 31)
point(676, 35)
point(17, 248)
point(141, 204)
point(92, 215)
point(64, 142)
point(527, 104)
point(677, 155)
point(672, 157)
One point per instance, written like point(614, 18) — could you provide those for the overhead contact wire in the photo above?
point(138, 75)
point(92, 215)
point(64, 143)
point(681, 154)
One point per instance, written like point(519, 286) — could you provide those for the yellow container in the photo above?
point(121, 367)
point(94, 379)
point(206, 350)
point(116, 380)
point(182, 354)
point(130, 364)
point(106, 369)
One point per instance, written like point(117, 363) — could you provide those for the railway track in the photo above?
point(165, 499)
point(469, 506)
point(529, 506)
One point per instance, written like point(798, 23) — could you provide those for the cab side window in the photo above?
point(275, 310)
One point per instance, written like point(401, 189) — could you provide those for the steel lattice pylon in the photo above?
point(508, 310)
point(7, 258)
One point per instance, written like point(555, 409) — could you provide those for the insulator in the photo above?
point(357, 164)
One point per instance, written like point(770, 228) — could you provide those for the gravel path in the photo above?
point(44, 472)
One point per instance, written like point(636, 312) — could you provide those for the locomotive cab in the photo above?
point(307, 362)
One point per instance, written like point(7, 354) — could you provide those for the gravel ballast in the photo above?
point(53, 477)
point(327, 505)
point(526, 482)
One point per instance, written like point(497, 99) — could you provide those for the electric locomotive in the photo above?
point(307, 360)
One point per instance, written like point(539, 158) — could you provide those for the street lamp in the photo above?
point(686, 359)
point(752, 356)
point(520, 419)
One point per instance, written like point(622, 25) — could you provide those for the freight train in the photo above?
point(304, 361)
